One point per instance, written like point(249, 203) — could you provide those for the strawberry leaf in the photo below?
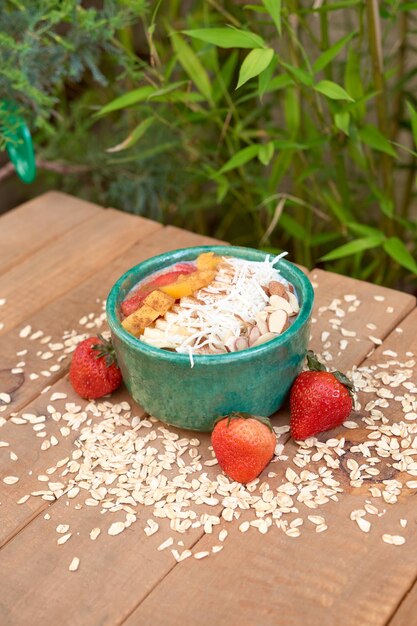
point(344, 380)
point(244, 416)
point(314, 364)
point(104, 349)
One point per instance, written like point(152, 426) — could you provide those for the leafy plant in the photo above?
point(291, 136)
point(48, 45)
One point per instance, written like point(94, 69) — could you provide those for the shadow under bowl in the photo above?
point(256, 380)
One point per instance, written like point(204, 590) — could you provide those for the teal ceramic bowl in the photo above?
point(256, 380)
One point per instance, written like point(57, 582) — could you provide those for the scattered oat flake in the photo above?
point(395, 540)
point(94, 533)
point(316, 519)
point(379, 298)
point(376, 340)
point(244, 526)
point(201, 555)
point(23, 499)
point(363, 524)
point(58, 396)
point(25, 332)
point(62, 528)
point(63, 539)
point(74, 565)
point(168, 542)
point(351, 425)
point(10, 480)
point(321, 528)
point(223, 534)
point(403, 523)
point(116, 528)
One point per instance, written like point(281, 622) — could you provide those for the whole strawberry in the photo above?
point(244, 444)
point(94, 371)
point(319, 400)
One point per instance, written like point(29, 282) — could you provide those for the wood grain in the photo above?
point(136, 567)
point(378, 306)
point(58, 267)
point(31, 226)
point(341, 577)
point(66, 312)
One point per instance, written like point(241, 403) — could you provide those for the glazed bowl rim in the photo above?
point(207, 359)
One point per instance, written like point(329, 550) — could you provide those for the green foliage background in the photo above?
point(284, 127)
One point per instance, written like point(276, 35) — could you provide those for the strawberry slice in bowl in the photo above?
point(133, 302)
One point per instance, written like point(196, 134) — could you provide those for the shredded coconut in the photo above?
point(218, 314)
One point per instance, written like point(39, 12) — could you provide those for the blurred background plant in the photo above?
point(290, 127)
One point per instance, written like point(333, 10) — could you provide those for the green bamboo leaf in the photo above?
point(385, 202)
point(413, 118)
point(255, 63)
point(373, 138)
point(335, 6)
point(192, 65)
point(139, 131)
point(274, 9)
point(327, 57)
point(265, 78)
point(293, 227)
point(340, 211)
point(364, 231)
point(398, 251)
point(163, 91)
point(298, 74)
point(359, 245)
point(291, 111)
point(266, 152)
point(353, 83)
point(407, 6)
point(227, 37)
point(342, 121)
point(240, 158)
point(332, 90)
point(127, 100)
point(279, 82)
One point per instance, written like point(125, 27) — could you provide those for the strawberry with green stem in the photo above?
point(319, 400)
point(94, 371)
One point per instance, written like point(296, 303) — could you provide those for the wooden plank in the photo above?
point(138, 568)
point(65, 313)
point(31, 226)
point(58, 267)
point(342, 576)
point(347, 304)
point(405, 614)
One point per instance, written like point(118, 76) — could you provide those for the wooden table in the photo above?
point(58, 258)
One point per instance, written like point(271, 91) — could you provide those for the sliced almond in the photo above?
point(280, 303)
point(277, 321)
point(277, 289)
point(261, 322)
point(263, 339)
point(254, 334)
point(241, 343)
point(294, 302)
